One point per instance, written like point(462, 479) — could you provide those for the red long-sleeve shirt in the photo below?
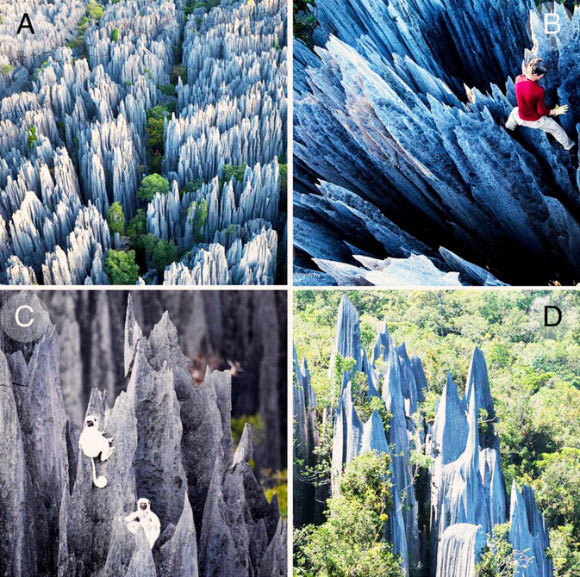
point(530, 97)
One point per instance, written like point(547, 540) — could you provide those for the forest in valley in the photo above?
point(534, 378)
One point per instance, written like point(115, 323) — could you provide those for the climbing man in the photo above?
point(531, 110)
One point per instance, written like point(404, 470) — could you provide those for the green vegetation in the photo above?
point(534, 374)
point(121, 267)
point(276, 483)
point(349, 543)
point(232, 229)
point(152, 184)
point(6, 69)
point(304, 20)
point(166, 89)
point(198, 218)
point(95, 11)
point(179, 71)
point(193, 186)
point(499, 558)
point(155, 128)
point(116, 219)
point(160, 253)
point(32, 137)
point(207, 4)
point(92, 16)
point(152, 252)
point(115, 35)
point(255, 421)
point(230, 171)
point(137, 228)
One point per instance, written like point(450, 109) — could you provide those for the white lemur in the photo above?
point(93, 443)
point(145, 518)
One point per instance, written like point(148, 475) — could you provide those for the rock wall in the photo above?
point(173, 444)
point(214, 328)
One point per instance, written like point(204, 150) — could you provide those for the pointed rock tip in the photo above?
point(245, 451)
point(5, 378)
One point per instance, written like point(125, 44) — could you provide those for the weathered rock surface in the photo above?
point(401, 152)
point(173, 445)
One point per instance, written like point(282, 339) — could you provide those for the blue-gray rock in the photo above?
point(460, 549)
point(398, 145)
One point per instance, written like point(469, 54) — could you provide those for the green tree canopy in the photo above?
point(349, 543)
point(152, 184)
point(121, 267)
point(116, 218)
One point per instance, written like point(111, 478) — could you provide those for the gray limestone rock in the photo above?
point(172, 442)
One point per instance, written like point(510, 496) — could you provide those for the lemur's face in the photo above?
point(143, 504)
point(91, 421)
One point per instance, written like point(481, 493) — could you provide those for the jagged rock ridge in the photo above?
point(172, 443)
point(88, 110)
point(401, 167)
point(466, 492)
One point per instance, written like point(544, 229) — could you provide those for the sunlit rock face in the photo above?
point(73, 139)
point(439, 527)
point(401, 151)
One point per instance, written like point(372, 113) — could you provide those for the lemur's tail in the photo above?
point(101, 481)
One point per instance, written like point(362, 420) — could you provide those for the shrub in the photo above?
point(32, 137)
point(6, 69)
point(350, 542)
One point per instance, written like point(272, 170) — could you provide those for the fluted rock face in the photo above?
point(465, 488)
point(244, 326)
point(304, 441)
point(398, 160)
point(54, 24)
point(73, 138)
point(461, 546)
point(529, 535)
point(173, 445)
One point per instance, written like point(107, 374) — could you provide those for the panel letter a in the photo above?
point(25, 23)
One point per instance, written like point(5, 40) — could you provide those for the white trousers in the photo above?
point(546, 123)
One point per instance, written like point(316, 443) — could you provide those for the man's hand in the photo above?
point(559, 110)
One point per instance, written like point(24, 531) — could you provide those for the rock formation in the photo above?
point(464, 497)
point(74, 99)
point(173, 444)
point(402, 162)
point(244, 326)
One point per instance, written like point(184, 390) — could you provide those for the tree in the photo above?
point(115, 35)
point(116, 218)
point(565, 552)
point(155, 129)
point(350, 542)
point(164, 253)
point(121, 267)
point(558, 488)
point(137, 228)
point(152, 184)
point(499, 559)
point(32, 137)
